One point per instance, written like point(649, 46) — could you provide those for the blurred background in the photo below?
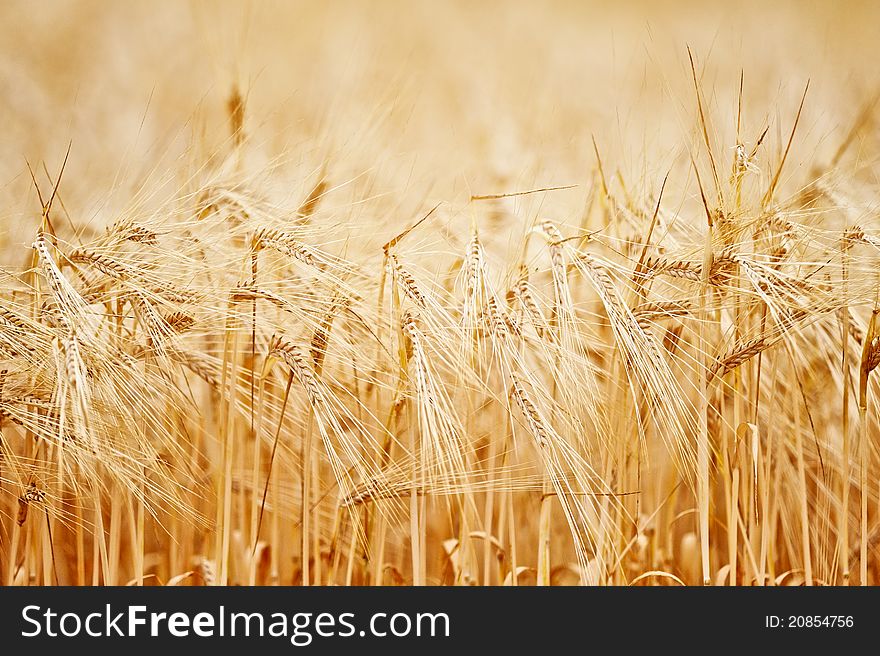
point(406, 102)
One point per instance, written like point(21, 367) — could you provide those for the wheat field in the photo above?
point(462, 293)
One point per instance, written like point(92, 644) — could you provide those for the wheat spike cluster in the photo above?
point(450, 294)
